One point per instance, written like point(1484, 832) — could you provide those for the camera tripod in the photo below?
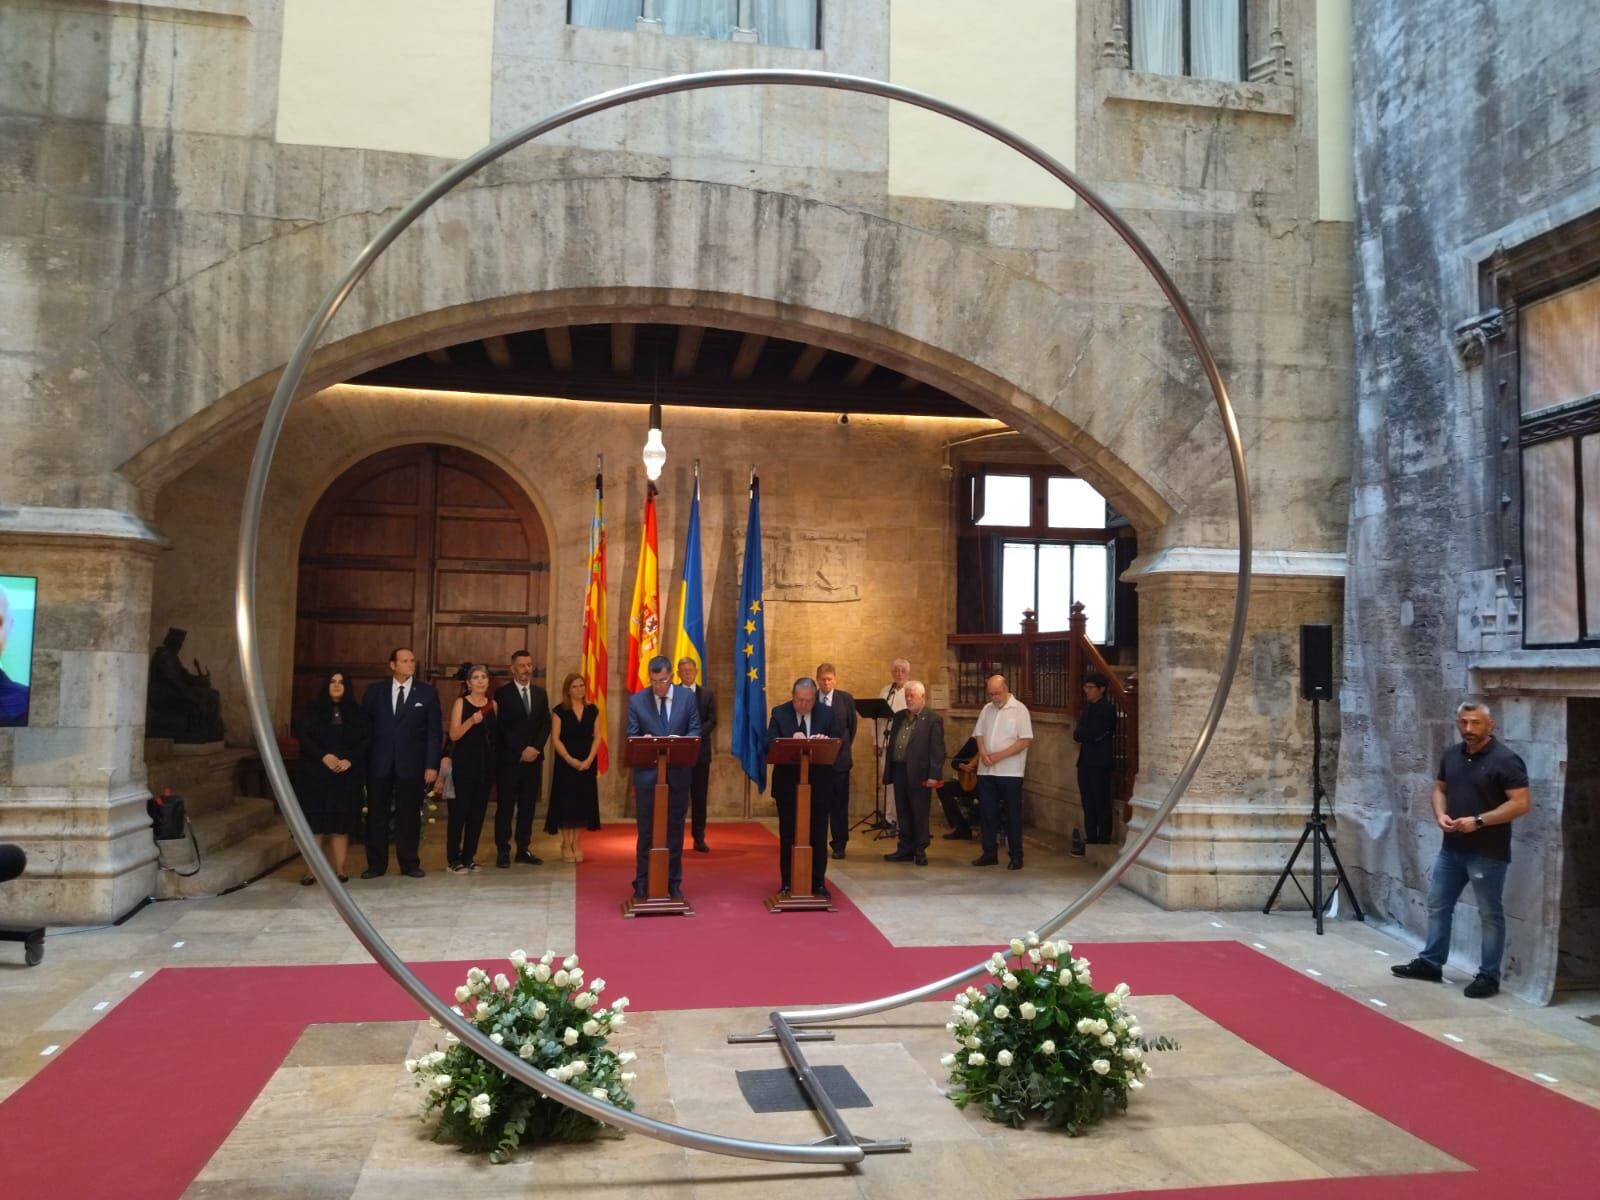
point(1316, 832)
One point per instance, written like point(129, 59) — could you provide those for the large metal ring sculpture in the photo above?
point(250, 529)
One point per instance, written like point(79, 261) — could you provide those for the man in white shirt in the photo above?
point(1004, 733)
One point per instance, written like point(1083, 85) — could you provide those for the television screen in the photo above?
point(18, 594)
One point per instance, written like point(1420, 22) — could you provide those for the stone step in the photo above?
point(231, 867)
point(220, 827)
point(205, 780)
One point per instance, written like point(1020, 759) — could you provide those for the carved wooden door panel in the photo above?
point(430, 547)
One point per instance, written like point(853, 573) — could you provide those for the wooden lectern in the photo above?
point(664, 752)
point(804, 751)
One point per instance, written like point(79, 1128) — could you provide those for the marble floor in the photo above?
point(338, 1119)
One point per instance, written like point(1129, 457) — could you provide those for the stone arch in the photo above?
point(1105, 385)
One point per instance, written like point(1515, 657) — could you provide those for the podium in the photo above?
point(661, 752)
point(802, 751)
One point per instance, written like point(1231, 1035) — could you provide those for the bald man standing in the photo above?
point(1004, 733)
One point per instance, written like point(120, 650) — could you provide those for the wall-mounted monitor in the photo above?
point(19, 596)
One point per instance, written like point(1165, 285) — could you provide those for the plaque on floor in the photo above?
point(779, 1090)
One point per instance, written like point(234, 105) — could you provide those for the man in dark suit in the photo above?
point(843, 706)
point(1095, 728)
point(914, 764)
point(700, 780)
point(665, 710)
point(802, 716)
point(522, 726)
point(402, 760)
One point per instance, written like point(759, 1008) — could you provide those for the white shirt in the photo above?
point(1001, 728)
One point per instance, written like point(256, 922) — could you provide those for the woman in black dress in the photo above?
point(472, 766)
point(332, 731)
point(574, 780)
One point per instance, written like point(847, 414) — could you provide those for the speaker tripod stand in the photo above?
point(1316, 832)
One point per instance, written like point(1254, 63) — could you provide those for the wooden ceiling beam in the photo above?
point(441, 356)
point(687, 350)
point(857, 375)
point(622, 349)
point(744, 362)
point(805, 364)
point(908, 384)
point(499, 351)
point(558, 340)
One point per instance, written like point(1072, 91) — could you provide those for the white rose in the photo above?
point(1122, 991)
point(529, 969)
point(518, 958)
point(973, 993)
point(575, 978)
point(1119, 1025)
point(583, 1001)
point(1047, 951)
point(1003, 1058)
point(463, 993)
point(1101, 1066)
point(1083, 977)
point(564, 1072)
point(1035, 957)
point(947, 1060)
point(561, 979)
point(553, 1072)
point(976, 1059)
point(539, 1010)
point(1134, 1031)
point(617, 1021)
point(476, 975)
point(548, 957)
point(949, 1026)
point(570, 961)
point(1132, 1053)
point(1144, 1069)
point(598, 986)
point(1135, 1085)
point(1032, 938)
point(480, 1106)
point(1047, 1048)
point(969, 1018)
point(626, 1057)
point(972, 1043)
point(620, 1003)
point(456, 1008)
point(482, 1014)
point(1108, 1039)
point(542, 972)
point(1028, 1011)
point(580, 1067)
point(502, 984)
point(411, 1066)
point(598, 1093)
point(962, 1001)
point(1008, 981)
point(993, 967)
point(441, 1081)
point(1100, 1026)
point(1001, 1012)
point(1064, 949)
point(591, 1027)
point(525, 1050)
point(1113, 1001)
point(569, 1036)
point(627, 1077)
point(498, 1039)
point(1017, 947)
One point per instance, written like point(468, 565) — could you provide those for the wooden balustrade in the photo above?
point(1046, 673)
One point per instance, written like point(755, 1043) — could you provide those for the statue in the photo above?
point(183, 705)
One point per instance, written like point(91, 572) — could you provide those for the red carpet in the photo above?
point(198, 1044)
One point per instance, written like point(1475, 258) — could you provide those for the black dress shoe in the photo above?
point(822, 891)
point(1481, 987)
point(638, 893)
point(899, 856)
point(529, 857)
point(922, 860)
point(1013, 866)
point(371, 873)
point(838, 854)
point(344, 879)
point(1417, 969)
point(958, 835)
point(413, 872)
point(702, 848)
point(503, 859)
point(986, 860)
point(675, 893)
point(306, 881)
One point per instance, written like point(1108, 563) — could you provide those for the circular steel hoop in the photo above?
point(250, 532)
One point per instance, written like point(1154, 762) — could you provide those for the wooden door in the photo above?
point(430, 547)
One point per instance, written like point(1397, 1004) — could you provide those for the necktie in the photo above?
point(805, 726)
point(399, 699)
point(661, 709)
point(526, 703)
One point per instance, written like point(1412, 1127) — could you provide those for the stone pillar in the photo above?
point(1233, 831)
point(72, 784)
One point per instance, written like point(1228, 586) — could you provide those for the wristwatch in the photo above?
point(1479, 820)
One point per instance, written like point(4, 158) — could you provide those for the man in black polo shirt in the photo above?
point(1482, 787)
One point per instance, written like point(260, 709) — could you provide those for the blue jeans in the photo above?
point(1451, 871)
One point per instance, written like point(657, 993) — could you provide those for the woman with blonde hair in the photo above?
point(574, 781)
point(472, 766)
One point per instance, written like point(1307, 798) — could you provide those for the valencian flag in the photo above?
point(644, 615)
point(596, 664)
point(750, 655)
point(690, 641)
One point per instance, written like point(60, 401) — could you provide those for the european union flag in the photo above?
point(749, 740)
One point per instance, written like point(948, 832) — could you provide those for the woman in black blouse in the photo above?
point(472, 767)
point(332, 731)
point(574, 782)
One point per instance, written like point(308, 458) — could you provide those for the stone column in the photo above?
point(1233, 831)
point(72, 783)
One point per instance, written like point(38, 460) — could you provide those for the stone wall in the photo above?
point(875, 483)
point(1473, 129)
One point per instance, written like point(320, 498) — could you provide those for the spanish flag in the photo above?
point(596, 664)
point(644, 615)
point(690, 641)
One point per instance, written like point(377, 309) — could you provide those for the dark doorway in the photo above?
point(430, 547)
point(1578, 950)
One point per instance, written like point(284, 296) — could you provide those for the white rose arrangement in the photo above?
point(1067, 1055)
point(546, 1017)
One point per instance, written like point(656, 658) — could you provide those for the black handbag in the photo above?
point(169, 821)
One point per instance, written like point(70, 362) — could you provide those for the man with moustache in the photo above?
point(843, 706)
point(522, 727)
point(802, 717)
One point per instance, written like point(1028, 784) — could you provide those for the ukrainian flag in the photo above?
point(690, 640)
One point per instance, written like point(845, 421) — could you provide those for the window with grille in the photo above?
point(792, 23)
point(1202, 38)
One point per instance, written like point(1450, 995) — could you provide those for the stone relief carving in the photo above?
point(806, 565)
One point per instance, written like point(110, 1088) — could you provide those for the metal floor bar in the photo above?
point(839, 1133)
